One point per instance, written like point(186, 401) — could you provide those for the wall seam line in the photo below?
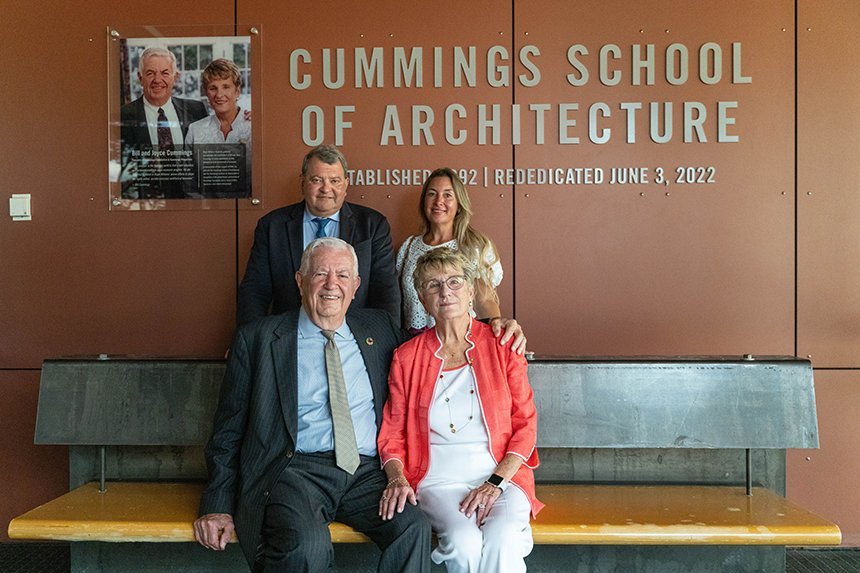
point(796, 184)
point(514, 165)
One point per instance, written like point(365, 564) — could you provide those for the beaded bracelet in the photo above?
point(399, 479)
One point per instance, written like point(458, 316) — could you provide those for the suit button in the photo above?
point(290, 454)
point(265, 494)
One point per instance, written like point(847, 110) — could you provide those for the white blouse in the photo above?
point(462, 456)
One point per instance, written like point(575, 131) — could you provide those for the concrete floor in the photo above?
point(54, 558)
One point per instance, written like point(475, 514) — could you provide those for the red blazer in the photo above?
point(504, 395)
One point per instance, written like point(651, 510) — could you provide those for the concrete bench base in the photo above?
point(98, 557)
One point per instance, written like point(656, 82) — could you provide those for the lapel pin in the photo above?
point(368, 341)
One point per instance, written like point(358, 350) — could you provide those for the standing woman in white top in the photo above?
point(446, 212)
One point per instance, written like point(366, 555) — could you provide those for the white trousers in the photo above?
point(498, 546)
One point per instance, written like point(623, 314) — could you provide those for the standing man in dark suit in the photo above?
point(157, 120)
point(282, 463)
point(283, 234)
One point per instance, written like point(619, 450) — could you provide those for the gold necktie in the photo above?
point(345, 449)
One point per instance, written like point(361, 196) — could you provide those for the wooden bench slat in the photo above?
point(126, 512)
point(675, 515)
point(575, 514)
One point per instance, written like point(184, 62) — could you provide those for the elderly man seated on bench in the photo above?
point(294, 442)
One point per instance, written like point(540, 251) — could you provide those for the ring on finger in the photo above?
point(384, 498)
point(482, 505)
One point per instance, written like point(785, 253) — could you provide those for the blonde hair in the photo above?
point(221, 69)
point(439, 259)
point(469, 240)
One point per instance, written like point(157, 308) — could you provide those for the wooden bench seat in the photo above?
point(575, 515)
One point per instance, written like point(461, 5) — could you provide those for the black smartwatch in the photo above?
point(498, 481)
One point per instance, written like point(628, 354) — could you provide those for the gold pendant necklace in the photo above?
point(445, 388)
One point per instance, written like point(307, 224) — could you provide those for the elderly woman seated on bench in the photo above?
point(471, 466)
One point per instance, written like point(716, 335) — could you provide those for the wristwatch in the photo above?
point(498, 481)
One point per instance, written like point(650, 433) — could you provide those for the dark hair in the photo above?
point(327, 154)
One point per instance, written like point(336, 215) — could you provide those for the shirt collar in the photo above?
point(310, 217)
point(307, 328)
point(167, 106)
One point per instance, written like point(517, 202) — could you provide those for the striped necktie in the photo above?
point(322, 223)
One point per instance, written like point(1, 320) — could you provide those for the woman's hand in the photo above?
point(513, 332)
point(480, 500)
point(394, 497)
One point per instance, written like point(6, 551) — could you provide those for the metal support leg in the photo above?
point(103, 465)
point(749, 470)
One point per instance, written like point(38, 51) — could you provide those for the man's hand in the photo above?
point(513, 331)
point(214, 530)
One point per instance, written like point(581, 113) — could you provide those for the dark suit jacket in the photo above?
point(270, 281)
point(134, 134)
point(133, 128)
point(256, 422)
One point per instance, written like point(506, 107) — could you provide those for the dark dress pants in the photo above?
point(312, 492)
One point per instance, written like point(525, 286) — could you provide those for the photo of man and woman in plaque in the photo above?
point(185, 118)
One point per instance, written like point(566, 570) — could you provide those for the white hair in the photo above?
point(328, 242)
point(154, 51)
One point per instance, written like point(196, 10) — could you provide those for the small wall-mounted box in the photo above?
point(19, 207)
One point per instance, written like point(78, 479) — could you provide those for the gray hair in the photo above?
point(328, 154)
point(154, 51)
point(330, 243)
point(440, 258)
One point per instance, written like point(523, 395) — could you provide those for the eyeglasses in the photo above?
point(454, 283)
